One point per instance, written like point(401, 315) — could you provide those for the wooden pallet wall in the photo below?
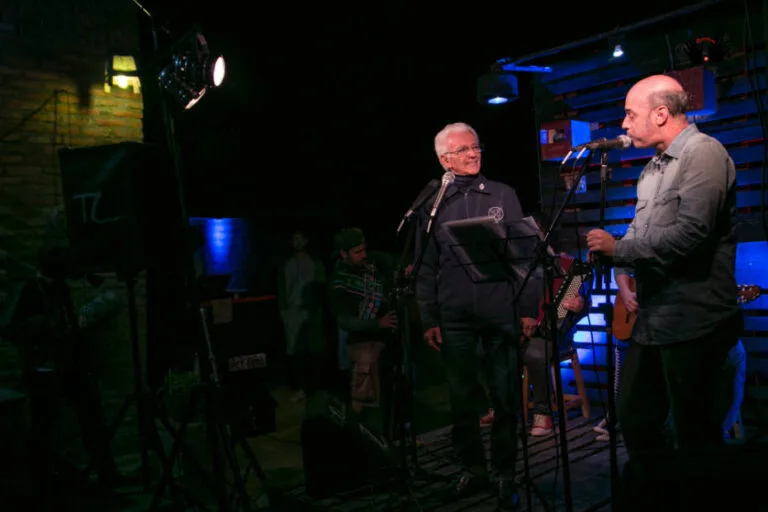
point(591, 87)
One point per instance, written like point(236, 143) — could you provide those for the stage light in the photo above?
point(192, 71)
point(618, 51)
point(497, 88)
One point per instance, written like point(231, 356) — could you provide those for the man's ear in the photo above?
point(660, 116)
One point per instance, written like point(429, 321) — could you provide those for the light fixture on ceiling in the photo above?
point(192, 71)
point(121, 71)
point(618, 51)
point(499, 86)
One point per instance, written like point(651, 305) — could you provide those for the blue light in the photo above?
point(219, 238)
point(498, 100)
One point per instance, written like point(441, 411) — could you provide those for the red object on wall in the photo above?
point(699, 83)
point(558, 137)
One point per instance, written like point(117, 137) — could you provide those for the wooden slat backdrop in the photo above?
point(592, 88)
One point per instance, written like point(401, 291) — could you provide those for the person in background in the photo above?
point(359, 289)
point(300, 293)
point(58, 365)
point(538, 344)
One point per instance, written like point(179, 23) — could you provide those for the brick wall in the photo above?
point(52, 55)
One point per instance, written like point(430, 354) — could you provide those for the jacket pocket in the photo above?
point(665, 208)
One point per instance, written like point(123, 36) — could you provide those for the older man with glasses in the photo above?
point(458, 313)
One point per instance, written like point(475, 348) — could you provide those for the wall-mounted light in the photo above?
point(121, 71)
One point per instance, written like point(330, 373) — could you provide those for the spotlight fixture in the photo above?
point(497, 88)
point(618, 51)
point(192, 71)
point(499, 85)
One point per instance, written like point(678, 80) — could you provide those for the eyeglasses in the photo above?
point(466, 149)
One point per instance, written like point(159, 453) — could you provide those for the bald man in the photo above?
point(681, 248)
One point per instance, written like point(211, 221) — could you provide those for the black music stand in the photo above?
point(492, 252)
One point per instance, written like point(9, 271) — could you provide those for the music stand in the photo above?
point(492, 252)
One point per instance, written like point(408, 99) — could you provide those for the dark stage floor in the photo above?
point(589, 468)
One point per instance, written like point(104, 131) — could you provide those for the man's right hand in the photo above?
point(629, 298)
point(388, 321)
point(433, 338)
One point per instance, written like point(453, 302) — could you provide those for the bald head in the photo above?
point(655, 110)
point(662, 90)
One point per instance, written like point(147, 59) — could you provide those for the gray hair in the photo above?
point(442, 137)
point(675, 101)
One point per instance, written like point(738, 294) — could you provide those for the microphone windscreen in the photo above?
point(625, 141)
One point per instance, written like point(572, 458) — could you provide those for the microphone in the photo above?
point(448, 178)
point(620, 142)
point(420, 199)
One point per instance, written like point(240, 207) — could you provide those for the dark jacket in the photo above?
point(446, 294)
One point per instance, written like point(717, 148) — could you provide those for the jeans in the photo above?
point(460, 354)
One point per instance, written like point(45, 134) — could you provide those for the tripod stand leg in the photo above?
point(607, 310)
point(137, 378)
point(178, 435)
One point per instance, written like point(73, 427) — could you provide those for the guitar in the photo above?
point(623, 320)
point(747, 293)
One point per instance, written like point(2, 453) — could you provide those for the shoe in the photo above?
point(603, 434)
point(602, 427)
point(542, 425)
point(508, 498)
point(466, 485)
point(487, 420)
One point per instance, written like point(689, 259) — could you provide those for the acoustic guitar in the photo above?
point(747, 293)
point(623, 320)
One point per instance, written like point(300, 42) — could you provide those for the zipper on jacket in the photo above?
point(474, 290)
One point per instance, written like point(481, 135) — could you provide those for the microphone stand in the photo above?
point(602, 285)
point(539, 257)
point(402, 402)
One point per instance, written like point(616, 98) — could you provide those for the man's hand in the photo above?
point(574, 304)
point(529, 326)
point(408, 270)
point(433, 338)
point(629, 298)
point(388, 321)
point(601, 241)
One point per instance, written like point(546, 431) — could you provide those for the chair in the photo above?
point(570, 401)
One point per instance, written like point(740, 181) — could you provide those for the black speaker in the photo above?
point(120, 200)
point(340, 454)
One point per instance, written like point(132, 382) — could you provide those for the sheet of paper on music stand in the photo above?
point(490, 251)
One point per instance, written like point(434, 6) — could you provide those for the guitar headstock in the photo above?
point(746, 293)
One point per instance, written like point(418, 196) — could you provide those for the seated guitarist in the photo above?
point(538, 344)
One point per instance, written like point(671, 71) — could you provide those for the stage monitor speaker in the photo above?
point(339, 453)
point(120, 201)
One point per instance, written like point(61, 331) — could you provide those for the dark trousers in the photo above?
point(680, 378)
point(459, 350)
